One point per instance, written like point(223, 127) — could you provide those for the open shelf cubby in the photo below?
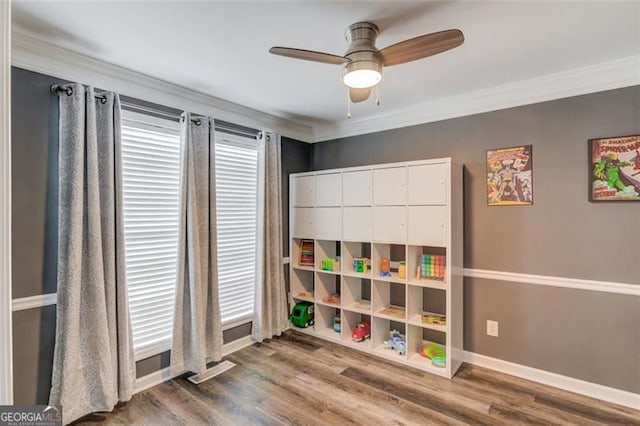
point(301, 282)
point(354, 250)
point(427, 308)
point(303, 253)
point(351, 320)
point(356, 294)
point(432, 275)
point(327, 285)
point(324, 321)
point(327, 249)
point(417, 337)
point(395, 253)
point(388, 300)
point(381, 329)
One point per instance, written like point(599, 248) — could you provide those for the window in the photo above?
point(237, 214)
point(151, 183)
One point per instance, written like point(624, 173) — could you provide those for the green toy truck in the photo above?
point(302, 314)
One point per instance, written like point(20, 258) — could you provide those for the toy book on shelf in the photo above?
point(306, 253)
point(305, 295)
point(333, 299)
point(394, 311)
point(363, 304)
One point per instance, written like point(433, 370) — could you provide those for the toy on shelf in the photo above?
point(431, 267)
point(434, 319)
point(363, 304)
point(439, 361)
point(337, 324)
point(432, 350)
point(333, 299)
point(360, 265)
point(361, 331)
point(393, 311)
point(302, 314)
point(385, 267)
point(305, 295)
point(402, 269)
point(306, 253)
point(330, 265)
point(396, 342)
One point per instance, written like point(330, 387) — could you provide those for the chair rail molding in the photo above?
point(39, 56)
point(6, 349)
point(572, 283)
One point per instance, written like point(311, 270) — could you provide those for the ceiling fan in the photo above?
point(363, 62)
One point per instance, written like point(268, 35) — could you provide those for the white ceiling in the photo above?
point(221, 48)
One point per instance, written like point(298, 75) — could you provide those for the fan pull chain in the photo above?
point(348, 105)
point(378, 94)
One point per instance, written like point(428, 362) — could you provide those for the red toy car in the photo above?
point(361, 331)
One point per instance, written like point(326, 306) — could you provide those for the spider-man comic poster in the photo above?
point(615, 168)
point(509, 176)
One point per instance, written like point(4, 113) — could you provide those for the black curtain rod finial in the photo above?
point(56, 89)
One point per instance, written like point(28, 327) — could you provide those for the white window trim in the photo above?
point(6, 345)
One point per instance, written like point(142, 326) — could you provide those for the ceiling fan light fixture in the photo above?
point(362, 74)
point(362, 79)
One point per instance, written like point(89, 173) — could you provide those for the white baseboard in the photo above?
point(160, 376)
point(605, 393)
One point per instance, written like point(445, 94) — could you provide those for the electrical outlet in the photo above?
point(492, 328)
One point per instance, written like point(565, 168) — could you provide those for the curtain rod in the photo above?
point(56, 89)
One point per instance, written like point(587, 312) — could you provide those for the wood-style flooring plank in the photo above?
point(297, 379)
point(455, 411)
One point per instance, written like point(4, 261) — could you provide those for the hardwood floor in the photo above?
point(298, 379)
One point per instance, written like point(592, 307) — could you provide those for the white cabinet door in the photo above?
point(302, 222)
point(303, 191)
point(427, 225)
point(389, 224)
point(356, 188)
point(329, 190)
point(389, 186)
point(427, 184)
point(328, 223)
point(356, 224)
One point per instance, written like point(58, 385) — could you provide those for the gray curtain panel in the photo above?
point(197, 326)
point(271, 313)
point(94, 367)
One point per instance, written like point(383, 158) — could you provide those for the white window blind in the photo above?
point(237, 209)
point(151, 179)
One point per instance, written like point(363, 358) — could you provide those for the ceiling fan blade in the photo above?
point(359, 95)
point(309, 55)
point(421, 47)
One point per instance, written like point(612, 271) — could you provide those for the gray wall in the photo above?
point(34, 227)
point(592, 336)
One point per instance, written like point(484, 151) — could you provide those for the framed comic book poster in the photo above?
point(509, 176)
point(614, 165)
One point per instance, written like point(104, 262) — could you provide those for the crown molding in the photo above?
point(580, 81)
point(39, 56)
point(6, 349)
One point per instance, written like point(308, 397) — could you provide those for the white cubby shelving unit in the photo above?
point(408, 213)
